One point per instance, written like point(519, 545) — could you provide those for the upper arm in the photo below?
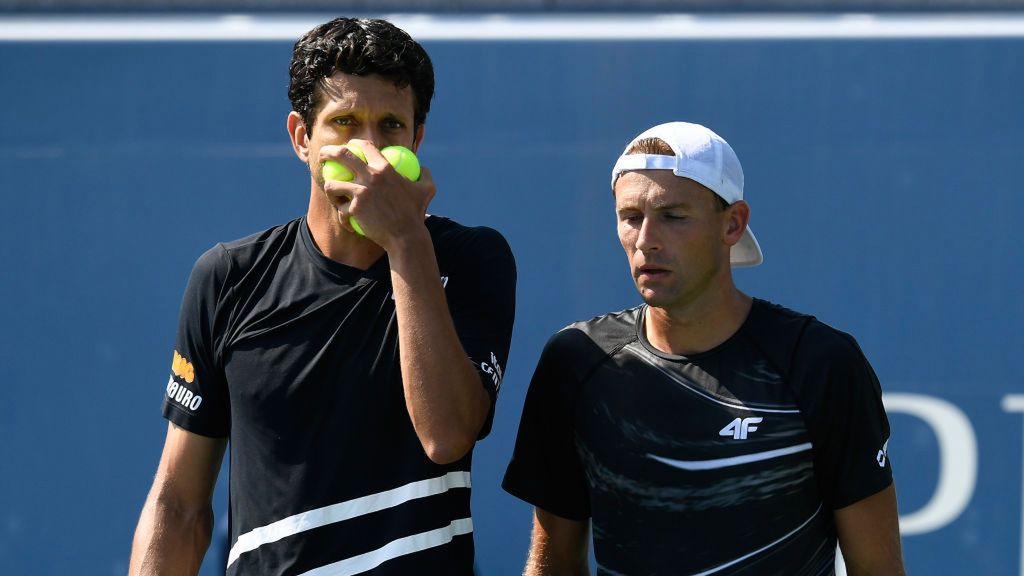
point(482, 298)
point(545, 469)
point(481, 295)
point(840, 399)
point(869, 535)
point(558, 546)
point(197, 397)
point(188, 468)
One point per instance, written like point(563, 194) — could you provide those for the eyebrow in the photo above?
point(670, 206)
point(664, 207)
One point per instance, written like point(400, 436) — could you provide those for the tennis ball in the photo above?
point(403, 160)
point(355, 226)
point(334, 170)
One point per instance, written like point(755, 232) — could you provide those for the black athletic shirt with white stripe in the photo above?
point(295, 357)
point(726, 462)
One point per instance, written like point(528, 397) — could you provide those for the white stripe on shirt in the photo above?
point(346, 510)
point(401, 547)
point(733, 461)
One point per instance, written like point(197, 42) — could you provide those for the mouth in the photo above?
point(648, 272)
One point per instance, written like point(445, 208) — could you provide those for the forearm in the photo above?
point(869, 535)
point(170, 541)
point(443, 393)
point(558, 546)
point(541, 564)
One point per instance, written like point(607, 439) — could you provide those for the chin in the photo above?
point(655, 298)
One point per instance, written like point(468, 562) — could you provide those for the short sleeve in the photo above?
point(482, 301)
point(841, 400)
point(196, 397)
point(545, 469)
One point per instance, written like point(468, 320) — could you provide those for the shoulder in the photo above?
point(827, 346)
point(813, 341)
point(599, 336)
point(770, 318)
point(793, 340)
point(243, 253)
point(224, 259)
point(575, 352)
point(449, 235)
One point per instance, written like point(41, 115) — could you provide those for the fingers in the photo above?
point(346, 157)
point(384, 203)
point(373, 156)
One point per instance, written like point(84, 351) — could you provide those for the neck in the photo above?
point(335, 241)
point(698, 326)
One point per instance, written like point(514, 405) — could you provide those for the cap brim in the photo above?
point(746, 252)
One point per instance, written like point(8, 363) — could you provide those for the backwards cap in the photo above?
point(704, 157)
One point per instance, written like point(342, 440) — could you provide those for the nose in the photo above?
point(648, 239)
point(370, 134)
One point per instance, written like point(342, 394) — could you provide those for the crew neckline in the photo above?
point(379, 270)
point(641, 335)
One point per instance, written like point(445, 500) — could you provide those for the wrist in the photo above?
point(411, 240)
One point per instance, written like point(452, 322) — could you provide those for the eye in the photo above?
point(392, 124)
point(631, 217)
point(344, 121)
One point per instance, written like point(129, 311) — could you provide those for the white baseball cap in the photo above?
point(704, 157)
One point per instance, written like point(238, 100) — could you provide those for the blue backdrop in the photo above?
point(884, 178)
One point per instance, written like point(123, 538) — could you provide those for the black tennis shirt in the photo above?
point(295, 357)
point(726, 462)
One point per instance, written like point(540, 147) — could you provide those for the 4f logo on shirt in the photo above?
point(739, 428)
point(882, 455)
point(494, 369)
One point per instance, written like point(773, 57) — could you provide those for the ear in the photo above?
point(299, 136)
point(418, 138)
point(737, 215)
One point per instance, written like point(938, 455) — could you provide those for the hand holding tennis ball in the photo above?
point(334, 170)
point(401, 159)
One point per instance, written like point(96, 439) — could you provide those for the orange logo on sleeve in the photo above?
point(182, 368)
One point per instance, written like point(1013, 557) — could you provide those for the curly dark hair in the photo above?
point(359, 47)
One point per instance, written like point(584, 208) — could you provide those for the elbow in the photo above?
point(449, 450)
point(196, 517)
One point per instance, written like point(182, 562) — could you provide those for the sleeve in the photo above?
point(482, 302)
point(841, 400)
point(545, 469)
point(196, 397)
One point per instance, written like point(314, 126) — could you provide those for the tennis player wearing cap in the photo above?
point(703, 431)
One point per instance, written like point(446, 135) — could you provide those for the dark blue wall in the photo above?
point(884, 178)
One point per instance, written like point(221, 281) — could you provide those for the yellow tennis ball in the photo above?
point(355, 226)
point(334, 170)
point(337, 171)
point(403, 160)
